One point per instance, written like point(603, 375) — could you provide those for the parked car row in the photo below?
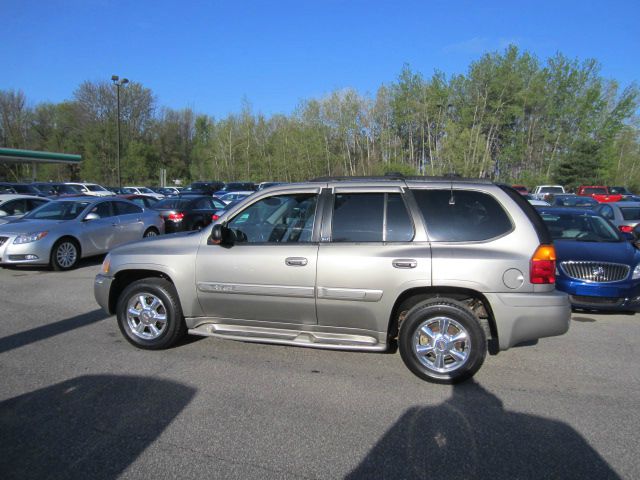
point(192, 210)
point(600, 193)
point(353, 264)
point(61, 232)
point(598, 265)
point(57, 189)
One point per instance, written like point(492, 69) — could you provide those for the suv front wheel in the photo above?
point(149, 314)
point(441, 341)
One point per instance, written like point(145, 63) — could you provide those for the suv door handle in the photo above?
point(404, 263)
point(296, 261)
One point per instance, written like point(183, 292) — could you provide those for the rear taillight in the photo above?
point(543, 265)
point(176, 217)
point(625, 228)
point(214, 217)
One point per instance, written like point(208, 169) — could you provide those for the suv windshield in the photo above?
point(60, 210)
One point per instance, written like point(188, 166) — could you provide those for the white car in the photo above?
point(142, 191)
point(542, 192)
point(92, 189)
point(14, 206)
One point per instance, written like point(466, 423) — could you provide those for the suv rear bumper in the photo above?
point(522, 317)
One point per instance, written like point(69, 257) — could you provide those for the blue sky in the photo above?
point(211, 55)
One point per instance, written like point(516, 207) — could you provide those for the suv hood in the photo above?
point(177, 243)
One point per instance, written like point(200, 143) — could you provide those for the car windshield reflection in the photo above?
point(60, 210)
point(581, 228)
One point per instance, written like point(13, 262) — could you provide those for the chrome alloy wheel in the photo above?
point(441, 344)
point(150, 233)
point(146, 316)
point(66, 254)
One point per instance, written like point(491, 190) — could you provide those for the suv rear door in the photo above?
point(269, 273)
point(372, 249)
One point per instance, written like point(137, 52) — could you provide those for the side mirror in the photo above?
point(3, 213)
point(91, 216)
point(221, 235)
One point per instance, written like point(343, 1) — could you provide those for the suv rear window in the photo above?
point(461, 215)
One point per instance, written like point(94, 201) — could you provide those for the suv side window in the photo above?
point(399, 227)
point(361, 217)
point(277, 219)
point(461, 215)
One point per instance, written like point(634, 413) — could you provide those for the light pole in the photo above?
point(118, 83)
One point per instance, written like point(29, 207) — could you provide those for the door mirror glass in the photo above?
point(221, 235)
point(91, 216)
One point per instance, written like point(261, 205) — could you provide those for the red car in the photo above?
point(598, 192)
point(521, 189)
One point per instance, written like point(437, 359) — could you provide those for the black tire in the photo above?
point(143, 337)
point(150, 232)
point(441, 361)
point(65, 254)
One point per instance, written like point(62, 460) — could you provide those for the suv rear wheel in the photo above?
point(149, 314)
point(441, 341)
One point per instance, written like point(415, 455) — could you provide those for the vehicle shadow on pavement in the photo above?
point(90, 427)
point(472, 436)
point(43, 332)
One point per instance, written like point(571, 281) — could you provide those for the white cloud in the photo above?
point(479, 45)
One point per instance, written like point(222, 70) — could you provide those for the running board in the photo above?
point(334, 341)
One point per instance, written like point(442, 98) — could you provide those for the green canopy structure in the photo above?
point(32, 157)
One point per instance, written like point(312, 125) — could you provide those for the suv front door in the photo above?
point(269, 273)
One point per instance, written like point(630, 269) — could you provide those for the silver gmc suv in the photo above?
point(443, 269)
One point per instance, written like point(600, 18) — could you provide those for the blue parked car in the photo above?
point(598, 266)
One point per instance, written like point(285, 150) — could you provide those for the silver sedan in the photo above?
point(62, 232)
point(624, 215)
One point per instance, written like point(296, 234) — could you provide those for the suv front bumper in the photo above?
point(523, 317)
point(101, 290)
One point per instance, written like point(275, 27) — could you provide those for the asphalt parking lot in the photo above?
point(77, 401)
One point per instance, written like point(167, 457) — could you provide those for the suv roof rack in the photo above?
point(451, 177)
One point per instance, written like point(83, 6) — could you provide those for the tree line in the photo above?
point(510, 117)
